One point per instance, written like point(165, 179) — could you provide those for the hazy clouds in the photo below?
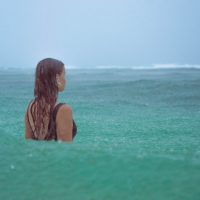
point(92, 33)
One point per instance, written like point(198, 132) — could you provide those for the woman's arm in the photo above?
point(64, 123)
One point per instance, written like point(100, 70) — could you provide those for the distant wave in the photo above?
point(148, 67)
point(154, 66)
point(172, 65)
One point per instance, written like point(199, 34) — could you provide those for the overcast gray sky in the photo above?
point(99, 32)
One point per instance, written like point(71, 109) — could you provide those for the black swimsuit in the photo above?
point(53, 135)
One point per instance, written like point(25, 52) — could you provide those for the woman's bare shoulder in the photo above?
point(65, 106)
point(64, 109)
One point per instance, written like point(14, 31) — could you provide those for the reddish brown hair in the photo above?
point(46, 93)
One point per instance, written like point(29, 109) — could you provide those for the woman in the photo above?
point(45, 119)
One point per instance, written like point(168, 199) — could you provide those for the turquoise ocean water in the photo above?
point(138, 137)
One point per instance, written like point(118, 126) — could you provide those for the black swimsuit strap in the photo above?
point(56, 110)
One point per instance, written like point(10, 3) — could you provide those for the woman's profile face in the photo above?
point(61, 81)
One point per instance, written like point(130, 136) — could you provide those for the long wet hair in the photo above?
point(46, 94)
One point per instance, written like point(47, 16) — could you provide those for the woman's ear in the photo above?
point(57, 78)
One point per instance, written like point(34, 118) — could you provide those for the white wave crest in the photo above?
point(174, 66)
point(149, 67)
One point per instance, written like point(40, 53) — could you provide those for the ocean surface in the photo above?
point(138, 137)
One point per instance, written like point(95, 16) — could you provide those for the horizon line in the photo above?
point(152, 66)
